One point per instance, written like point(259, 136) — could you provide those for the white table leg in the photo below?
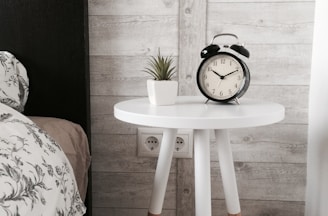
point(202, 173)
point(228, 172)
point(162, 172)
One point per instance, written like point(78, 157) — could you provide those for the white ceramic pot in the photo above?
point(162, 92)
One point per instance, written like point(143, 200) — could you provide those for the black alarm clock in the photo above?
point(222, 76)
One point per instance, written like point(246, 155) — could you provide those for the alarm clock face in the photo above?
point(221, 77)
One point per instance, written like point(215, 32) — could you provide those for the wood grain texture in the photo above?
point(135, 7)
point(114, 153)
point(270, 160)
point(261, 208)
point(264, 181)
point(263, 23)
point(278, 143)
point(185, 187)
point(273, 64)
point(129, 190)
point(286, 146)
point(128, 212)
point(119, 75)
point(192, 38)
point(125, 35)
point(122, 35)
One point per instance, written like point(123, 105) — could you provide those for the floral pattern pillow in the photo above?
point(14, 83)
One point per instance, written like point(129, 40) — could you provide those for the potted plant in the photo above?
point(162, 90)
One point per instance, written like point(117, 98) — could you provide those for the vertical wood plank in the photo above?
point(185, 187)
point(192, 38)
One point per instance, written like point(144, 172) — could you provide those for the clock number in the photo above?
point(213, 91)
point(222, 61)
point(215, 63)
point(205, 76)
point(221, 93)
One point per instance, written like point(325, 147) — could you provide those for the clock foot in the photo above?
point(236, 101)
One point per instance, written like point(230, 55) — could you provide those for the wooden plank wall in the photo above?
point(122, 35)
point(270, 161)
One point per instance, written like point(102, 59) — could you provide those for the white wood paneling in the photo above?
point(133, 7)
point(263, 23)
point(128, 190)
point(133, 35)
point(270, 161)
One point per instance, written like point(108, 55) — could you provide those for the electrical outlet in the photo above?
point(150, 139)
point(152, 143)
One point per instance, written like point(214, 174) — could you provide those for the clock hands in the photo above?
point(231, 73)
point(220, 81)
point(223, 76)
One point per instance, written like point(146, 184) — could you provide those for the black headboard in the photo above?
point(50, 38)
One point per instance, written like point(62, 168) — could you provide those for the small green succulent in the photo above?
point(160, 68)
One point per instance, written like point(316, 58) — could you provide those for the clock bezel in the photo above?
point(242, 89)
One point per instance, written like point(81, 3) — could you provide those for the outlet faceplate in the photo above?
point(150, 139)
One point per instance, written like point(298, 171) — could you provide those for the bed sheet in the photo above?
point(74, 142)
point(36, 177)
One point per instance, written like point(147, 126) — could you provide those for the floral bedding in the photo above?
point(14, 82)
point(36, 178)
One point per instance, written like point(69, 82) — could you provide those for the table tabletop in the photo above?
point(192, 112)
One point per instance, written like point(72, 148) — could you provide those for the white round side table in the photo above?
point(191, 112)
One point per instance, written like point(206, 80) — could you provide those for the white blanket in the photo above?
point(36, 178)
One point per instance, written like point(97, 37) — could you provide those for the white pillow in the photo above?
point(14, 82)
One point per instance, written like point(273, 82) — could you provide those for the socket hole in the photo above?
point(152, 143)
point(179, 143)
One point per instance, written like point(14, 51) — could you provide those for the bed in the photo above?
point(49, 38)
